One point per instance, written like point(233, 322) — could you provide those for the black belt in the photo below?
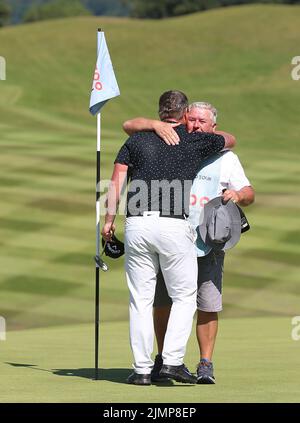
point(172, 216)
point(175, 216)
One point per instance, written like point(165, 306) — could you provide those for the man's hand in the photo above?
point(108, 230)
point(232, 195)
point(244, 197)
point(165, 131)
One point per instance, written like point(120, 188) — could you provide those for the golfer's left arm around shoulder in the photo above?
point(138, 124)
point(230, 140)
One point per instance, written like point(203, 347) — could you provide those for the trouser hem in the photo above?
point(172, 363)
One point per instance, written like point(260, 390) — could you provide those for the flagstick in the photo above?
point(97, 306)
point(101, 93)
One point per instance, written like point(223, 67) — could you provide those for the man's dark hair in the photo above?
point(172, 104)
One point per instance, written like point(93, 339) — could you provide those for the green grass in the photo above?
point(237, 58)
point(255, 361)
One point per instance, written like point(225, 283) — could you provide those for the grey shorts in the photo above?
point(210, 276)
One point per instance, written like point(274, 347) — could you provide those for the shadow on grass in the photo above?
point(112, 375)
point(28, 366)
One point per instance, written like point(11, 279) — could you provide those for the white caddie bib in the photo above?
point(205, 187)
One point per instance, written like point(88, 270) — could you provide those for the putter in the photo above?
point(99, 261)
point(103, 266)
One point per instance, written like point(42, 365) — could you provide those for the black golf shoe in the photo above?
point(155, 376)
point(178, 373)
point(137, 379)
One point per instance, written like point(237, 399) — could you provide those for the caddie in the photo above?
point(221, 175)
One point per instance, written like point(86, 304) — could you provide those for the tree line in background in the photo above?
point(157, 9)
point(16, 11)
point(4, 13)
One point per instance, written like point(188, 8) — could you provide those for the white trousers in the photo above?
point(151, 241)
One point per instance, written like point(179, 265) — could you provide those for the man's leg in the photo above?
point(179, 267)
point(160, 319)
point(209, 303)
point(161, 311)
point(206, 331)
point(141, 268)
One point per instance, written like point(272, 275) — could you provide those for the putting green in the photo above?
point(238, 58)
point(256, 360)
point(47, 161)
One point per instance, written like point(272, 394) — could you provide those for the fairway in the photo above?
point(237, 58)
point(57, 365)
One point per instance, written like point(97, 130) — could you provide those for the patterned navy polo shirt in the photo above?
point(161, 175)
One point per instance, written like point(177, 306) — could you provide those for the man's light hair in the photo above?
point(206, 106)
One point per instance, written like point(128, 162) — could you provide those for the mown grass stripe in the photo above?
point(47, 168)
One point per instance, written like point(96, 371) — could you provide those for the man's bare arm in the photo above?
point(113, 197)
point(163, 129)
point(166, 131)
point(230, 140)
point(244, 197)
point(138, 124)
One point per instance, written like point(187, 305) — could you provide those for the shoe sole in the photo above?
point(178, 379)
point(206, 381)
point(139, 384)
point(159, 379)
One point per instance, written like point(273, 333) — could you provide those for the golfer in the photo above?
point(221, 174)
point(157, 233)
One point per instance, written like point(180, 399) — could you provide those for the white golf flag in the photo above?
point(105, 85)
